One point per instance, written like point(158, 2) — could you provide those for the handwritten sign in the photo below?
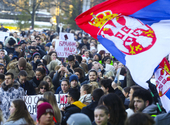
point(66, 45)
point(2, 35)
point(31, 102)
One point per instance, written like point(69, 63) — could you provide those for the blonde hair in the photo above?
point(52, 100)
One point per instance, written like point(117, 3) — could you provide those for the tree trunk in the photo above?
point(33, 14)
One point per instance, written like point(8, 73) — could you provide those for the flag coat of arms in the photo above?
point(136, 32)
point(162, 76)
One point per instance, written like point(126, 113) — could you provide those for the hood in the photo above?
point(14, 65)
point(86, 98)
point(151, 109)
point(78, 104)
point(16, 85)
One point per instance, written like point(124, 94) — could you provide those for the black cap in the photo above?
point(22, 42)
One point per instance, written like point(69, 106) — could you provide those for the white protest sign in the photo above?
point(31, 101)
point(66, 45)
point(2, 35)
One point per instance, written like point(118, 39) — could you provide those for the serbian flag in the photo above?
point(162, 76)
point(136, 32)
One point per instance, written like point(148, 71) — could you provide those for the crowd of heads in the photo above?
point(91, 78)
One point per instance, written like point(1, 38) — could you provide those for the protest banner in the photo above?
point(2, 35)
point(31, 102)
point(66, 45)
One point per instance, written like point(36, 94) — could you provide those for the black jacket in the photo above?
point(27, 86)
point(75, 66)
point(71, 109)
point(9, 50)
point(89, 110)
point(120, 94)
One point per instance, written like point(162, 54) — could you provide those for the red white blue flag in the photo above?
point(136, 32)
point(162, 76)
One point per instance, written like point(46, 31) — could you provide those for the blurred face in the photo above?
point(89, 61)
point(82, 91)
point(42, 89)
point(8, 80)
point(12, 108)
point(120, 65)
point(2, 69)
point(37, 40)
point(48, 81)
point(108, 61)
point(115, 66)
point(2, 54)
point(46, 119)
point(92, 45)
point(131, 94)
point(100, 117)
point(68, 98)
point(86, 54)
point(47, 48)
point(18, 49)
point(73, 83)
point(139, 104)
point(95, 57)
point(53, 56)
point(95, 65)
point(10, 56)
point(38, 75)
point(92, 76)
point(36, 58)
point(34, 44)
point(78, 74)
point(22, 79)
point(64, 86)
point(71, 63)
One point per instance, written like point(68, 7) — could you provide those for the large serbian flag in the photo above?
point(162, 76)
point(136, 32)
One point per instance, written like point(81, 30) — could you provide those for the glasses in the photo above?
point(38, 39)
point(67, 96)
point(42, 88)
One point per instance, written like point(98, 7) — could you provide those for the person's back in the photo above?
point(89, 110)
point(162, 119)
point(74, 107)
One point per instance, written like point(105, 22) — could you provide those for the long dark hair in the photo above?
point(20, 112)
point(116, 108)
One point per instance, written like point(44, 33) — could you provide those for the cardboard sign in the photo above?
point(66, 45)
point(2, 35)
point(31, 102)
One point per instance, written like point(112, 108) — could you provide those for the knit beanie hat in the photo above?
point(34, 54)
point(73, 77)
point(99, 56)
point(44, 108)
point(79, 119)
point(48, 44)
point(22, 62)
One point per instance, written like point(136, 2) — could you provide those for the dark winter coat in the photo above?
point(89, 110)
point(71, 109)
point(13, 68)
point(7, 95)
point(28, 88)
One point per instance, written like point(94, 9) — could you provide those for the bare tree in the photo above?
point(29, 6)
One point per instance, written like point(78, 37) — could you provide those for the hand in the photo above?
point(63, 109)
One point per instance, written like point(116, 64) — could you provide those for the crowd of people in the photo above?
point(99, 88)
